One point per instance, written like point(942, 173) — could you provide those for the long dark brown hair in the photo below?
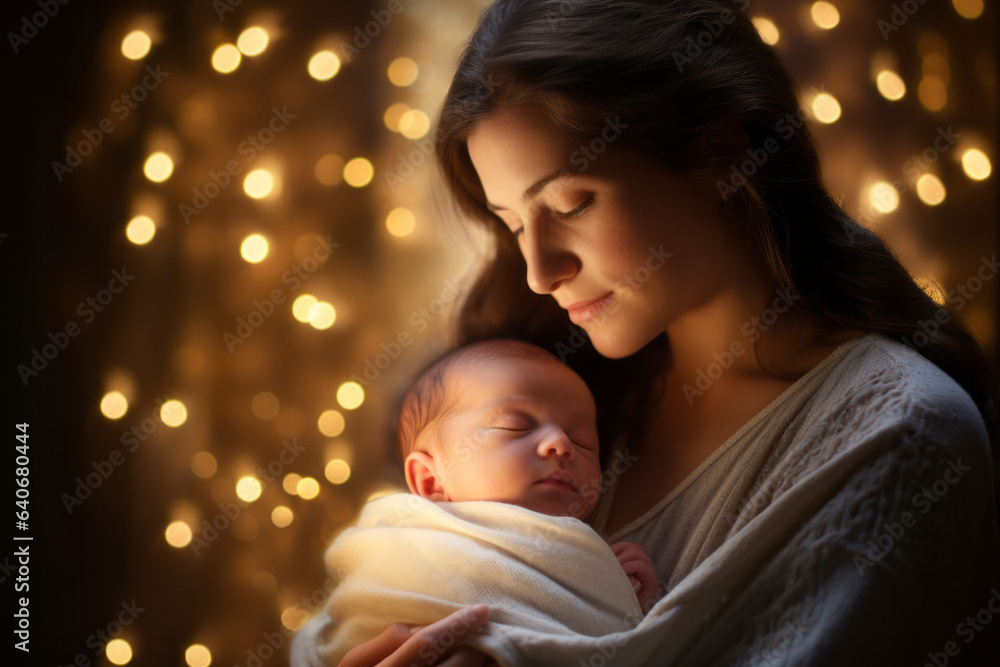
point(671, 71)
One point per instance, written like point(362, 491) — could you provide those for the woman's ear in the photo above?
point(422, 478)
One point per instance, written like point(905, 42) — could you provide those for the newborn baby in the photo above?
point(500, 449)
point(506, 421)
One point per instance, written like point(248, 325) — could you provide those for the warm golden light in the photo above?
point(252, 41)
point(324, 65)
point(294, 618)
point(331, 423)
point(248, 488)
point(350, 395)
point(883, 197)
point(825, 15)
point(302, 306)
point(393, 114)
point(933, 92)
point(265, 405)
point(968, 9)
point(890, 85)
point(114, 405)
point(322, 315)
point(119, 651)
point(258, 184)
point(976, 164)
point(178, 534)
point(768, 31)
point(226, 59)
point(140, 230)
point(402, 71)
point(358, 172)
point(291, 483)
point(308, 488)
point(400, 221)
point(414, 124)
point(337, 471)
point(158, 167)
point(930, 189)
point(136, 45)
point(204, 465)
point(282, 516)
point(329, 169)
point(254, 248)
point(198, 655)
point(173, 413)
point(826, 108)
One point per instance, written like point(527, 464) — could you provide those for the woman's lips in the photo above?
point(584, 311)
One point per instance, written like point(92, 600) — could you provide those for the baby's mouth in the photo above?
point(560, 479)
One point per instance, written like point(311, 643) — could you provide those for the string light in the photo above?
point(358, 172)
point(248, 488)
point(118, 651)
point(226, 58)
point(173, 413)
point(302, 307)
point(324, 65)
point(258, 184)
point(767, 29)
point(158, 167)
point(136, 45)
point(337, 471)
point(825, 15)
point(331, 423)
point(930, 189)
point(400, 221)
point(254, 248)
point(178, 534)
point(114, 405)
point(308, 488)
point(140, 230)
point(252, 41)
point(350, 395)
point(976, 164)
point(402, 71)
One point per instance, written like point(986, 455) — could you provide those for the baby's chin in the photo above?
point(559, 507)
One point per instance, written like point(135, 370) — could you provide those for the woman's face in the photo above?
point(623, 243)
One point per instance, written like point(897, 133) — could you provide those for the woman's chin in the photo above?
point(615, 345)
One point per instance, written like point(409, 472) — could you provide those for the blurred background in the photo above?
point(226, 250)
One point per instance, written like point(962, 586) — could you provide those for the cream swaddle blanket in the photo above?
point(412, 560)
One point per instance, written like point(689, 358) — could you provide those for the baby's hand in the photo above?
point(641, 574)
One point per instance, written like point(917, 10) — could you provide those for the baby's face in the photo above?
point(525, 433)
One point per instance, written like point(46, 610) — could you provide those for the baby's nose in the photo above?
point(556, 442)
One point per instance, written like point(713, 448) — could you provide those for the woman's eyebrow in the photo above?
point(534, 189)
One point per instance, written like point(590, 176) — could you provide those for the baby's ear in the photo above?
point(421, 476)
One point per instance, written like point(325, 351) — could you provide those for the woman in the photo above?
point(649, 177)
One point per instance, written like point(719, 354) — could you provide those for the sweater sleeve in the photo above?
point(900, 567)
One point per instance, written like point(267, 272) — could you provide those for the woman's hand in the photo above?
point(640, 571)
point(436, 644)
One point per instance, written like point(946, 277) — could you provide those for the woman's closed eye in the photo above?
point(576, 212)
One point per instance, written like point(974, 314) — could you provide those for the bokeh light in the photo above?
point(322, 315)
point(826, 108)
point(204, 465)
point(358, 172)
point(178, 534)
point(140, 230)
point(400, 221)
point(254, 248)
point(402, 71)
point(198, 655)
point(282, 516)
point(118, 651)
point(825, 15)
point(890, 85)
point(324, 65)
point(331, 423)
point(252, 41)
point(114, 405)
point(158, 167)
point(969, 9)
point(136, 45)
point(307, 488)
point(265, 405)
point(329, 170)
point(414, 124)
point(173, 413)
point(258, 184)
point(291, 483)
point(393, 114)
point(767, 29)
point(302, 307)
point(226, 58)
point(976, 164)
point(337, 471)
point(930, 189)
point(248, 488)
point(883, 197)
point(350, 395)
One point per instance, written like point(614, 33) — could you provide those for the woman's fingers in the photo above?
point(372, 652)
point(429, 645)
point(466, 656)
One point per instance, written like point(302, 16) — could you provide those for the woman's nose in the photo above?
point(549, 263)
